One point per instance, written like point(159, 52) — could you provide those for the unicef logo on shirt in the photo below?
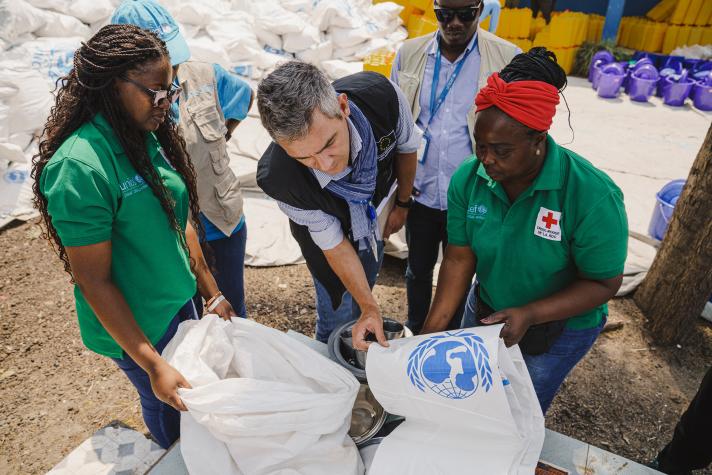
point(453, 365)
point(477, 211)
point(139, 179)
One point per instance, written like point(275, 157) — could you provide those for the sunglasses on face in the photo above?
point(157, 96)
point(465, 15)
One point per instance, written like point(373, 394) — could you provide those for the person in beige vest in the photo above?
point(212, 103)
point(440, 75)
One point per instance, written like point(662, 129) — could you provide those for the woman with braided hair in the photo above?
point(115, 187)
point(545, 231)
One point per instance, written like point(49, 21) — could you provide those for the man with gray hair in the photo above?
point(338, 151)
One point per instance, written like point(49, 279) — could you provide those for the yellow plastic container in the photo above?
point(678, 15)
point(670, 40)
point(485, 24)
point(707, 36)
point(683, 37)
point(656, 43)
point(379, 61)
point(537, 24)
point(418, 25)
point(703, 18)
point(662, 10)
point(695, 36)
point(422, 4)
point(692, 11)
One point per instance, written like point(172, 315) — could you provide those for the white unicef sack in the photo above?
point(469, 405)
point(262, 402)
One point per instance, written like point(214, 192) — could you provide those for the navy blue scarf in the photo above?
point(358, 187)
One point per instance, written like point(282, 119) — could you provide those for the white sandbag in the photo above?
point(206, 50)
point(18, 17)
point(268, 37)
point(274, 18)
point(385, 13)
point(58, 24)
point(346, 37)
point(267, 403)
point(90, 11)
point(26, 93)
point(235, 32)
point(337, 14)
point(53, 57)
point(305, 39)
point(194, 13)
point(268, 61)
point(468, 401)
point(56, 5)
point(322, 51)
point(336, 69)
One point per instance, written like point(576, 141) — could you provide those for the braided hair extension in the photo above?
point(538, 64)
point(89, 89)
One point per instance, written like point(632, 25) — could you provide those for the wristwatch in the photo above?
point(404, 204)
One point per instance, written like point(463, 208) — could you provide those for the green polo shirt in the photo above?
point(570, 222)
point(94, 195)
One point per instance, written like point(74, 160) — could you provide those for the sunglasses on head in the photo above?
point(157, 96)
point(465, 15)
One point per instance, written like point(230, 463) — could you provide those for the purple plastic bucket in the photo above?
point(701, 96)
point(640, 89)
point(665, 72)
point(676, 89)
point(610, 81)
point(665, 200)
point(599, 58)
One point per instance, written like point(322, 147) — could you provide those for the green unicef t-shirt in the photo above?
point(570, 222)
point(94, 194)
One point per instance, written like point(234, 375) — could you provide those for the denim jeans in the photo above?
point(327, 319)
point(426, 232)
point(229, 272)
point(549, 369)
point(161, 419)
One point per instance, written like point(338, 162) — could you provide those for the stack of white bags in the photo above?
point(263, 403)
point(38, 39)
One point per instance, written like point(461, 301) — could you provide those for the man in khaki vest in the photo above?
point(212, 103)
point(440, 75)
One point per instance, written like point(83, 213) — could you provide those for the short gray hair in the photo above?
point(288, 97)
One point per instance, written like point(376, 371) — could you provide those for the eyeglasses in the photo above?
point(171, 94)
point(465, 15)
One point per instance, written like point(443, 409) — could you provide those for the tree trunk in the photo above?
point(679, 282)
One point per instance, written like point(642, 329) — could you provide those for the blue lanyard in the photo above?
point(435, 105)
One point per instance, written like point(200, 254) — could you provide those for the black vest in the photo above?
point(285, 179)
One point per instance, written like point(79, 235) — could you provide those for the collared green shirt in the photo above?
point(94, 195)
point(570, 222)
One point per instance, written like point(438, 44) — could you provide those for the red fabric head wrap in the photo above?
point(533, 103)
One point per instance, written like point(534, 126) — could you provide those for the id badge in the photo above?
point(423, 149)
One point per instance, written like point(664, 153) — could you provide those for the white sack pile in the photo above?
point(38, 39)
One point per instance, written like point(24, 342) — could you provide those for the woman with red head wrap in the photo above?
point(544, 230)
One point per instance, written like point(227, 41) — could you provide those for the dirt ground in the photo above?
point(625, 396)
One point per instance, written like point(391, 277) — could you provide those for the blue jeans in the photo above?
point(327, 319)
point(161, 419)
point(549, 369)
point(229, 270)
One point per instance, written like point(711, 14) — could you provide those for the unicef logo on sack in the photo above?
point(15, 176)
point(452, 365)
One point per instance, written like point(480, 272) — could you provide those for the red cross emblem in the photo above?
point(549, 220)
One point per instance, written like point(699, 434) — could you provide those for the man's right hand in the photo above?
point(370, 321)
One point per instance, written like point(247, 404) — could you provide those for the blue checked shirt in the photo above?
point(324, 228)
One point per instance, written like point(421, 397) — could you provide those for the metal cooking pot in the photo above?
point(367, 416)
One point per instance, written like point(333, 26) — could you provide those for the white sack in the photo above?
point(26, 93)
point(18, 17)
point(58, 24)
point(323, 51)
point(346, 37)
point(268, 37)
point(305, 39)
point(90, 11)
point(262, 403)
point(52, 57)
point(336, 69)
point(468, 402)
point(206, 50)
point(274, 18)
point(337, 13)
point(194, 13)
point(56, 5)
point(234, 31)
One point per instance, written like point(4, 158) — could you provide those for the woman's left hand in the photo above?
point(224, 310)
point(517, 321)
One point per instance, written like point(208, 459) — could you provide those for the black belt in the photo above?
point(538, 338)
